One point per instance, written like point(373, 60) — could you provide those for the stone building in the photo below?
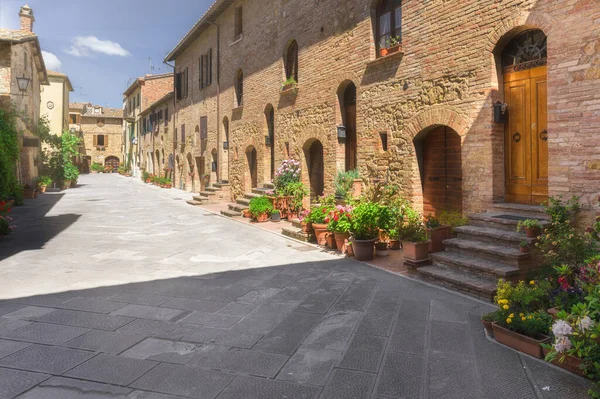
point(22, 72)
point(421, 116)
point(101, 130)
point(156, 141)
point(140, 94)
point(55, 102)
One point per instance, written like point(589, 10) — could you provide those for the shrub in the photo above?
point(96, 167)
point(288, 172)
point(453, 219)
point(5, 227)
point(145, 176)
point(340, 219)
point(344, 182)
point(298, 192)
point(365, 221)
point(259, 206)
point(431, 222)
point(70, 172)
point(9, 155)
point(412, 228)
point(44, 181)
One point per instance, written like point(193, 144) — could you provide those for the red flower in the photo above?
point(564, 284)
point(336, 218)
point(326, 220)
point(324, 210)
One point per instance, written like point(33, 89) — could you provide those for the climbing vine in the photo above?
point(9, 157)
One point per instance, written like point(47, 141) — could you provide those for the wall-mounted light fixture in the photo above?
point(341, 132)
point(268, 141)
point(23, 83)
point(226, 145)
point(500, 112)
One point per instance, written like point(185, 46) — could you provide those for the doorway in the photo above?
point(526, 130)
point(251, 159)
point(349, 115)
point(316, 168)
point(270, 116)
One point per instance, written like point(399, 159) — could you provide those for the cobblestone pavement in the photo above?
point(117, 289)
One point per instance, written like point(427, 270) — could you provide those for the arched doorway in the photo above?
point(189, 179)
point(270, 119)
point(214, 166)
point(525, 133)
point(252, 168)
point(113, 162)
point(347, 99)
point(438, 152)
point(225, 157)
point(313, 151)
point(158, 163)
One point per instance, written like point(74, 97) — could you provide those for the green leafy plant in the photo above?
point(340, 219)
point(96, 167)
point(70, 172)
point(318, 214)
point(276, 212)
point(344, 182)
point(560, 210)
point(291, 81)
point(524, 244)
point(298, 192)
point(531, 224)
point(145, 176)
point(9, 156)
point(412, 227)
point(453, 219)
point(259, 206)
point(431, 222)
point(44, 180)
point(393, 41)
point(365, 221)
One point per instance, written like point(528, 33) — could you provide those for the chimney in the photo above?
point(26, 18)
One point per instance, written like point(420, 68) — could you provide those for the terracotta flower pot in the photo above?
point(349, 249)
point(263, 217)
point(29, 193)
point(488, 327)
point(42, 188)
point(341, 239)
point(522, 343)
point(383, 52)
point(320, 233)
point(291, 215)
point(363, 249)
point(524, 250)
point(532, 232)
point(381, 249)
point(246, 213)
point(73, 183)
point(416, 250)
point(437, 237)
point(306, 227)
point(357, 188)
point(65, 184)
point(571, 364)
point(394, 245)
point(330, 240)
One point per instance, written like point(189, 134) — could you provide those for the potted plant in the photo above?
point(43, 182)
point(532, 227)
point(97, 168)
point(339, 224)
point(487, 320)
point(305, 223)
point(289, 84)
point(246, 213)
point(168, 183)
point(413, 234)
point(437, 233)
point(71, 174)
point(294, 192)
point(521, 323)
point(344, 183)
point(393, 45)
point(453, 219)
point(365, 229)
point(524, 247)
point(145, 177)
point(381, 248)
point(260, 208)
point(276, 216)
point(318, 217)
point(28, 192)
point(394, 242)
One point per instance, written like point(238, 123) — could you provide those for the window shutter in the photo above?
point(185, 76)
point(106, 140)
point(178, 92)
point(95, 140)
point(166, 116)
point(201, 76)
point(203, 128)
point(210, 66)
point(183, 133)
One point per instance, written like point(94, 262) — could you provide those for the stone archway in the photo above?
point(112, 162)
point(214, 165)
point(314, 161)
point(251, 168)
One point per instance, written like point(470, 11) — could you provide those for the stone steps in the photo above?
point(194, 202)
point(296, 233)
point(208, 193)
point(252, 195)
point(481, 287)
point(498, 253)
point(451, 260)
point(243, 201)
point(221, 185)
point(491, 220)
point(492, 236)
point(212, 189)
point(528, 211)
point(260, 191)
point(236, 207)
point(230, 213)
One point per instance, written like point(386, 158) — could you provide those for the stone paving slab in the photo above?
point(292, 323)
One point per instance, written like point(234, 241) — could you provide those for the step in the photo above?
point(243, 201)
point(260, 191)
point(252, 195)
point(221, 185)
point(481, 287)
point(296, 223)
point(207, 193)
point(212, 189)
point(295, 233)
point(529, 211)
point(269, 186)
point(493, 236)
point(236, 207)
point(507, 222)
point(487, 268)
point(194, 202)
point(230, 213)
point(199, 198)
point(498, 253)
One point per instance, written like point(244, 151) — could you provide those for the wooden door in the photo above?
point(316, 169)
point(252, 167)
point(526, 137)
point(442, 171)
point(350, 137)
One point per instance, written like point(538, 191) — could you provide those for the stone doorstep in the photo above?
point(494, 236)
point(487, 219)
point(243, 201)
point(194, 202)
point(230, 213)
point(509, 256)
point(212, 189)
point(237, 207)
point(532, 211)
point(207, 193)
point(295, 233)
point(481, 287)
point(468, 264)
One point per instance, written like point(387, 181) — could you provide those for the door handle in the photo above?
point(434, 178)
point(516, 137)
point(544, 135)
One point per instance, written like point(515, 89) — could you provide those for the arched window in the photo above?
point(291, 62)
point(389, 23)
point(527, 50)
point(239, 88)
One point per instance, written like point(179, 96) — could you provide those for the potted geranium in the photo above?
point(524, 247)
point(365, 229)
point(318, 217)
point(260, 208)
point(437, 233)
point(413, 234)
point(393, 45)
point(43, 182)
point(294, 192)
point(305, 223)
point(339, 223)
point(532, 227)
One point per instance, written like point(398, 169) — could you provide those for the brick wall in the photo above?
point(112, 129)
point(158, 145)
point(448, 75)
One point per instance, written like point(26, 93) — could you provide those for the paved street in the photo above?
point(117, 289)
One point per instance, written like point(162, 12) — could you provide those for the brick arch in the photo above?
point(517, 22)
point(436, 116)
point(301, 152)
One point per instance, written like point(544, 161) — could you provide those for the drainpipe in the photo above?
point(218, 99)
point(174, 124)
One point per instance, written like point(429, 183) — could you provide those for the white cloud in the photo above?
point(52, 62)
point(85, 46)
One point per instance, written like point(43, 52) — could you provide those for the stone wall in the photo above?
point(112, 129)
point(447, 75)
point(161, 140)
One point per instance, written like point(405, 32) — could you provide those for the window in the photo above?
point(206, 69)
point(389, 23)
point(129, 109)
point(175, 135)
point(160, 115)
point(144, 128)
point(181, 84)
point(203, 128)
point(138, 100)
point(73, 118)
point(100, 140)
point(97, 110)
point(178, 85)
point(166, 116)
point(183, 134)
point(238, 23)
point(239, 88)
point(291, 61)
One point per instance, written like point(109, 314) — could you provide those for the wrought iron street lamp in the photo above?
point(23, 83)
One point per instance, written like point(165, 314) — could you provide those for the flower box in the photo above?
point(571, 364)
point(437, 237)
point(520, 342)
point(390, 50)
point(416, 250)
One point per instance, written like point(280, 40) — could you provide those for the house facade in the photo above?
point(22, 72)
point(143, 92)
point(55, 102)
point(101, 130)
point(421, 116)
point(156, 141)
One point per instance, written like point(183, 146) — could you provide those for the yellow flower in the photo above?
point(505, 307)
point(521, 314)
point(530, 317)
point(508, 321)
point(523, 318)
point(532, 282)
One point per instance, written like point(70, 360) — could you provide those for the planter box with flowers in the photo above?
point(260, 208)
point(340, 219)
point(393, 45)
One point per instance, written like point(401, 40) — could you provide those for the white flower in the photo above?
point(585, 323)
point(562, 344)
point(561, 328)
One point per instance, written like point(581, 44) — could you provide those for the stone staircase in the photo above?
point(486, 250)
point(217, 192)
point(295, 231)
point(236, 209)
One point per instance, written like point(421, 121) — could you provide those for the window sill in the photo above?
point(293, 90)
point(238, 109)
point(237, 39)
point(390, 57)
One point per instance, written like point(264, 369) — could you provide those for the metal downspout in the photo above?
point(219, 173)
point(174, 177)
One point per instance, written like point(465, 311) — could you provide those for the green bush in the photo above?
point(366, 219)
point(260, 205)
point(453, 219)
point(344, 182)
point(412, 228)
point(9, 156)
point(70, 172)
point(97, 167)
point(44, 180)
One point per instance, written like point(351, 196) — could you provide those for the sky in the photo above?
point(102, 45)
